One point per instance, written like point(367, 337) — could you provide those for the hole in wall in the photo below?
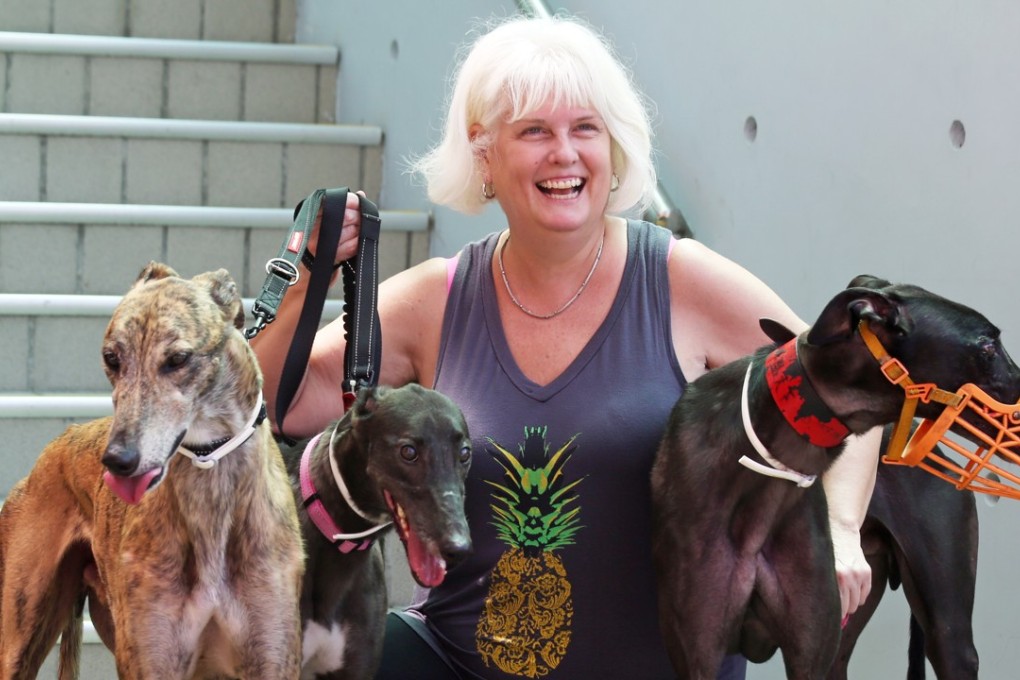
point(751, 128)
point(394, 49)
point(957, 134)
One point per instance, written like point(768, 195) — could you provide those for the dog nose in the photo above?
point(121, 461)
point(456, 550)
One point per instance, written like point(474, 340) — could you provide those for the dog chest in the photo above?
point(322, 649)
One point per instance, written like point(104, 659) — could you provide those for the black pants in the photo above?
point(409, 653)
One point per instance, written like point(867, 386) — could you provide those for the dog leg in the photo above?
point(42, 583)
point(935, 548)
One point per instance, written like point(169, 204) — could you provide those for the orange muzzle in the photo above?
point(974, 463)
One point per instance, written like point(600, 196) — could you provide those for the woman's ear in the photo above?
point(476, 133)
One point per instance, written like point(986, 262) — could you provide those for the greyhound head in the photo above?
point(181, 373)
point(416, 451)
point(940, 342)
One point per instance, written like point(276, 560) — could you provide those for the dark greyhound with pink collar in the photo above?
point(397, 458)
point(744, 560)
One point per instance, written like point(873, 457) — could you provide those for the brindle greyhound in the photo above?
point(398, 457)
point(744, 560)
point(190, 570)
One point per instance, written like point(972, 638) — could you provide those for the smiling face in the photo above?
point(551, 167)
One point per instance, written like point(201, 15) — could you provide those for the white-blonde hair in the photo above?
point(514, 69)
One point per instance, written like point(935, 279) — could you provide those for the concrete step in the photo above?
point(101, 159)
point(242, 20)
point(103, 246)
point(161, 78)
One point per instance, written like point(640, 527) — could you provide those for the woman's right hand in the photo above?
point(349, 230)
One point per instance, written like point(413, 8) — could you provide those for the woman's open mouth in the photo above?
point(562, 188)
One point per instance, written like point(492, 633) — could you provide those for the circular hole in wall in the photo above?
point(957, 134)
point(394, 49)
point(751, 128)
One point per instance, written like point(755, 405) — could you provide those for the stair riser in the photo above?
point(243, 20)
point(178, 171)
point(167, 88)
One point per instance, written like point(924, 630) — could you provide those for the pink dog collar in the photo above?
point(317, 511)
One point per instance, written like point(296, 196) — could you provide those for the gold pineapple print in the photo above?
point(525, 625)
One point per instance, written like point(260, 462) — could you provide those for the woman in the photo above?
point(565, 338)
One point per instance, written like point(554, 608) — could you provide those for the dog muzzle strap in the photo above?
point(974, 467)
point(777, 469)
point(206, 461)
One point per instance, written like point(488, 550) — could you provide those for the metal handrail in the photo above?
point(662, 211)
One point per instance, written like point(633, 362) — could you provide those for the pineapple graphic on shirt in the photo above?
point(525, 626)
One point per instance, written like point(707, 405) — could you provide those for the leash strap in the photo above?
point(360, 281)
point(361, 318)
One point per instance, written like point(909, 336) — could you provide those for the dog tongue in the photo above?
point(429, 569)
point(130, 489)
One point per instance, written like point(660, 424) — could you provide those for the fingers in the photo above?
point(854, 587)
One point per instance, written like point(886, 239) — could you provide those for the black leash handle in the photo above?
point(360, 281)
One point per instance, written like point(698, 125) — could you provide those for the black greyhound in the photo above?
point(398, 457)
point(744, 560)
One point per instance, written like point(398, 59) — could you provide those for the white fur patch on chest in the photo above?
point(322, 649)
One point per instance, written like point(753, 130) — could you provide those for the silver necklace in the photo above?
point(584, 284)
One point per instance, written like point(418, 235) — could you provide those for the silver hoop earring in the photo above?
point(488, 191)
point(615, 184)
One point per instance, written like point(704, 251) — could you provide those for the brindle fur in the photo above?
point(201, 578)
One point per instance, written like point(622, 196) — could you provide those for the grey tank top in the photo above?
point(561, 583)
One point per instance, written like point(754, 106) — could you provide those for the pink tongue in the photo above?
point(130, 489)
point(429, 569)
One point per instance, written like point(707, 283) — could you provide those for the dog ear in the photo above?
point(839, 319)
point(154, 270)
point(224, 292)
point(777, 332)
point(868, 281)
point(366, 402)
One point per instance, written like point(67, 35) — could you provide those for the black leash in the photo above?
point(360, 284)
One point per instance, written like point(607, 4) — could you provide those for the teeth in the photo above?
point(401, 516)
point(561, 183)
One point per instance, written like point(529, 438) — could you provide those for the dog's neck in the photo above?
point(205, 456)
point(805, 413)
point(328, 498)
point(798, 401)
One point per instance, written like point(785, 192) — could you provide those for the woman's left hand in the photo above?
point(853, 573)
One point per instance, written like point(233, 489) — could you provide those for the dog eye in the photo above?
point(409, 453)
point(177, 359)
point(111, 360)
point(465, 454)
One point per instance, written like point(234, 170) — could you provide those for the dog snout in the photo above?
point(456, 549)
point(121, 461)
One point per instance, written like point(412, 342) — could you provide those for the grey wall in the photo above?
point(854, 168)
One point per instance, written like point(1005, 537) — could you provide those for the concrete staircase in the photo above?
point(137, 130)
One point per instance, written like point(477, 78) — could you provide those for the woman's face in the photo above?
point(551, 168)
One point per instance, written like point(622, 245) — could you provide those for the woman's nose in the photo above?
point(563, 151)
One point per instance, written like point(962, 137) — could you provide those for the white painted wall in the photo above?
point(853, 168)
